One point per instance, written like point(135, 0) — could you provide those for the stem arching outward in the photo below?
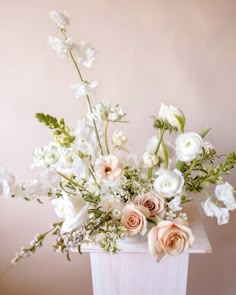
point(87, 96)
point(150, 170)
point(105, 136)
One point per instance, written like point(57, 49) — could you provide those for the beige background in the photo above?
point(181, 52)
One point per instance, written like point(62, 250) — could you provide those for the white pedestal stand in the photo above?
point(134, 271)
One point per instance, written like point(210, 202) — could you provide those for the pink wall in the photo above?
point(181, 52)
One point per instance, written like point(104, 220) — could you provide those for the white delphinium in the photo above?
point(84, 53)
point(60, 18)
point(173, 115)
point(168, 183)
point(84, 88)
point(99, 112)
point(73, 209)
point(188, 146)
point(7, 183)
point(118, 138)
point(212, 210)
point(225, 193)
point(62, 47)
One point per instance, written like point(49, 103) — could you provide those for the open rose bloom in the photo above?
point(169, 237)
point(103, 192)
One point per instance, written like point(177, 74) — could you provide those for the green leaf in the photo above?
point(181, 121)
point(204, 132)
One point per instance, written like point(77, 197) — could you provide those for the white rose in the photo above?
point(225, 193)
point(168, 183)
point(188, 146)
point(173, 115)
point(60, 18)
point(211, 210)
point(73, 209)
point(7, 183)
point(62, 47)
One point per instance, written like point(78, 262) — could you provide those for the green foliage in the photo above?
point(206, 174)
point(61, 131)
point(160, 124)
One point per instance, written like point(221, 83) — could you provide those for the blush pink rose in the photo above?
point(170, 238)
point(153, 202)
point(133, 218)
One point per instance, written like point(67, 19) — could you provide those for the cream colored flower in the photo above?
point(108, 168)
point(173, 115)
point(153, 202)
point(60, 18)
point(118, 138)
point(170, 238)
point(133, 218)
point(188, 146)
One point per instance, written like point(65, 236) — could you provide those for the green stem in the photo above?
point(106, 141)
point(87, 96)
point(94, 178)
point(73, 182)
point(150, 170)
point(166, 156)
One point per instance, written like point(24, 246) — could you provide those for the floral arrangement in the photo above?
point(102, 192)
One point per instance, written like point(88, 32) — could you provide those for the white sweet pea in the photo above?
point(118, 138)
point(84, 88)
point(173, 115)
point(174, 204)
point(188, 146)
point(84, 53)
point(211, 210)
point(225, 193)
point(80, 167)
point(110, 203)
point(73, 209)
point(7, 183)
point(149, 160)
point(168, 183)
point(62, 47)
point(60, 18)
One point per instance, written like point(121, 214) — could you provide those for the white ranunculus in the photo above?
point(225, 193)
point(168, 183)
point(188, 146)
point(83, 88)
point(173, 115)
point(84, 53)
point(174, 204)
point(108, 168)
point(149, 160)
point(60, 18)
point(118, 138)
point(7, 183)
point(211, 210)
point(73, 209)
point(62, 47)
